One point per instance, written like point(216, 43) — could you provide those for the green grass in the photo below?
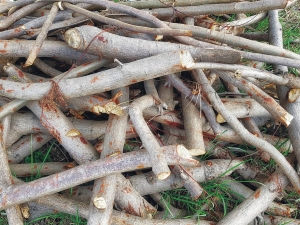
point(38, 157)
point(290, 21)
point(42, 156)
point(58, 219)
point(216, 198)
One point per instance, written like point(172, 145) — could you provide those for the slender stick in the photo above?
point(208, 111)
point(99, 42)
point(21, 48)
point(26, 146)
point(188, 182)
point(78, 208)
point(168, 3)
point(35, 23)
point(130, 200)
point(193, 127)
point(28, 123)
point(246, 135)
point(42, 36)
point(169, 210)
point(263, 57)
point(14, 215)
point(293, 108)
point(87, 172)
point(152, 67)
point(40, 169)
point(103, 19)
point(279, 113)
point(243, 108)
point(244, 71)
point(226, 8)
point(20, 14)
point(140, 14)
point(159, 165)
point(60, 127)
point(242, 192)
point(258, 201)
point(40, 64)
point(104, 190)
point(252, 127)
point(246, 21)
point(237, 41)
point(147, 183)
point(11, 107)
point(6, 6)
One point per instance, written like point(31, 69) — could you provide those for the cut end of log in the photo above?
point(25, 210)
point(183, 152)
point(197, 151)
point(186, 59)
point(99, 203)
point(149, 216)
point(286, 120)
point(220, 119)
point(30, 60)
point(159, 37)
point(163, 175)
point(73, 38)
point(73, 133)
point(293, 95)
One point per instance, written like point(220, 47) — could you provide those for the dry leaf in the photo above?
point(220, 119)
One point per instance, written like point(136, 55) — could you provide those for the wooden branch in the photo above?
point(26, 146)
point(159, 165)
point(168, 3)
point(193, 127)
point(258, 201)
point(42, 36)
point(155, 66)
point(21, 13)
point(247, 136)
point(264, 99)
point(99, 42)
point(106, 20)
point(42, 169)
point(13, 213)
point(104, 190)
point(293, 108)
point(21, 48)
point(226, 8)
point(243, 108)
point(90, 171)
point(242, 192)
point(237, 41)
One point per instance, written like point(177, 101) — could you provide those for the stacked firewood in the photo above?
point(154, 68)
